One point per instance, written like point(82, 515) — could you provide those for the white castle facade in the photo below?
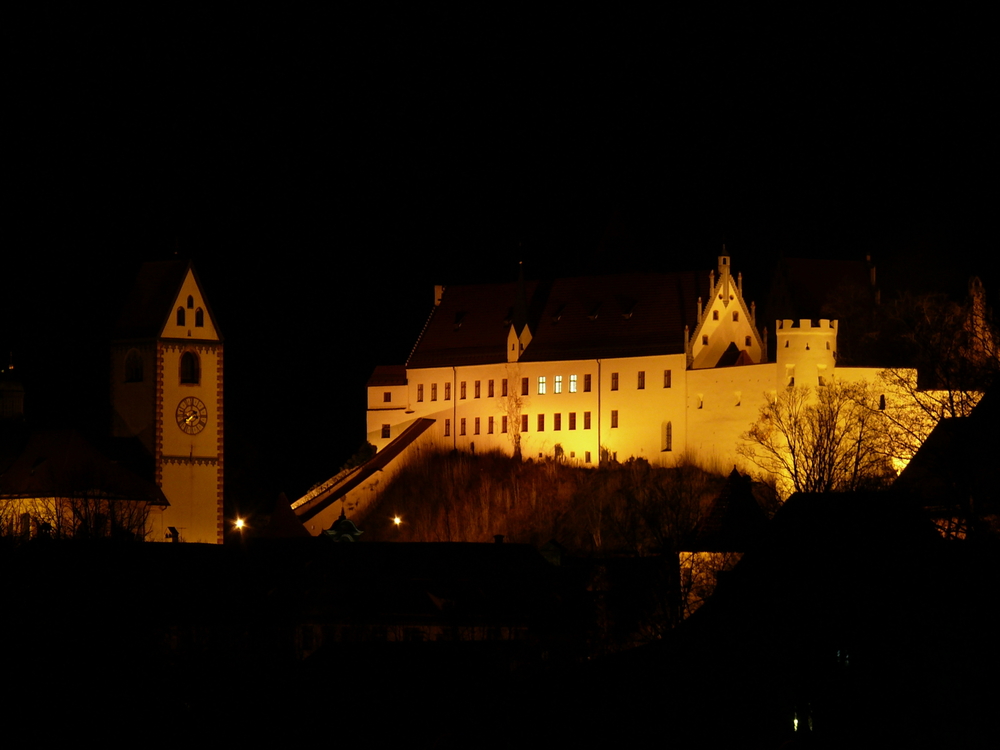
point(662, 367)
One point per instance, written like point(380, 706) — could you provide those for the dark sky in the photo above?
point(324, 170)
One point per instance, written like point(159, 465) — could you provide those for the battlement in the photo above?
point(805, 324)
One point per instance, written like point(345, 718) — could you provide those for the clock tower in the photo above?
point(166, 391)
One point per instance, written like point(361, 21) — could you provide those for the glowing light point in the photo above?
point(397, 520)
point(240, 523)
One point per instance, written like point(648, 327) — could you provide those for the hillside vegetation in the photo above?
point(630, 508)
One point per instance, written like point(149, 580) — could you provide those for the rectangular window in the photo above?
point(666, 378)
point(489, 425)
point(475, 427)
point(572, 383)
point(434, 391)
point(461, 390)
point(614, 418)
point(587, 457)
point(586, 420)
point(447, 391)
point(503, 388)
point(524, 386)
point(586, 383)
point(557, 421)
point(614, 381)
point(503, 425)
point(524, 423)
point(461, 425)
point(736, 317)
point(572, 420)
point(476, 391)
point(385, 432)
point(387, 397)
point(541, 423)
point(420, 391)
point(641, 384)
point(489, 389)
point(558, 385)
point(447, 427)
point(704, 340)
point(541, 386)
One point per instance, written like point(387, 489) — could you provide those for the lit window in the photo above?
point(524, 386)
point(447, 427)
point(541, 386)
point(475, 427)
point(199, 318)
point(641, 385)
point(461, 426)
point(503, 424)
point(133, 366)
point(447, 391)
point(180, 316)
point(668, 437)
point(476, 392)
point(586, 420)
point(524, 423)
point(572, 383)
point(385, 432)
point(614, 381)
point(586, 383)
point(572, 420)
point(557, 421)
point(461, 390)
point(503, 388)
point(420, 391)
point(190, 368)
point(614, 418)
point(666, 378)
point(558, 384)
point(541, 423)
point(434, 391)
point(489, 425)
point(386, 397)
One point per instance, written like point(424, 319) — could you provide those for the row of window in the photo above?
point(504, 423)
point(746, 340)
point(199, 317)
point(668, 429)
point(558, 385)
point(640, 383)
point(715, 316)
point(190, 370)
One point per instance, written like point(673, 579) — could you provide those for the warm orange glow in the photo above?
point(240, 524)
point(397, 520)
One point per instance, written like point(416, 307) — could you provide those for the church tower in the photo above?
point(166, 391)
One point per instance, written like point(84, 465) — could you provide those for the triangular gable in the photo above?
point(189, 316)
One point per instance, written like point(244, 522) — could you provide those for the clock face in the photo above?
point(192, 415)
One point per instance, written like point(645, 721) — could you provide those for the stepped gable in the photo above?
point(588, 317)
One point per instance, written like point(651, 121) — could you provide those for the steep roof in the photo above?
point(151, 300)
point(586, 317)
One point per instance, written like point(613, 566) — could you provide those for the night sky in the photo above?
point(323, 171)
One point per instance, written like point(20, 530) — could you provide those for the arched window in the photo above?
point(180, 316)
point(190, 302)
point(199, 318)
point(190, 368)
point(668, 436)
point(133, 366)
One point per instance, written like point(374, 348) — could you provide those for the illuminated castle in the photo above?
point(657, 366)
